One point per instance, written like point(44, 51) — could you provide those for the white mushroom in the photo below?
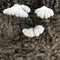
point(25, 8)
point(39, 29)
point(28, 32)
point(18, 10)
point(32, 32)
point(44, 12)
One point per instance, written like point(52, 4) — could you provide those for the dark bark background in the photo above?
point(15, 46)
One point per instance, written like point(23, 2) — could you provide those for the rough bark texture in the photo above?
point(15, 46)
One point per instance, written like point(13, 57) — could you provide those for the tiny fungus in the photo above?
point(44, 12)
point(17, 10)
point(32, 32)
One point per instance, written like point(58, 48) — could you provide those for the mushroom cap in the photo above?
point(25, 8)
point(28, 32)
point(44, 12)
point(39, 29)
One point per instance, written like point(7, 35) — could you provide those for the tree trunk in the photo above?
point(14, 45)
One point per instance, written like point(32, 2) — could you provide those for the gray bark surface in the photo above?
point(14, 45)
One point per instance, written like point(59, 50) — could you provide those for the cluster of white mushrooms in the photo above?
point(32, 32)
point(23, 10)
point(18, 10)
